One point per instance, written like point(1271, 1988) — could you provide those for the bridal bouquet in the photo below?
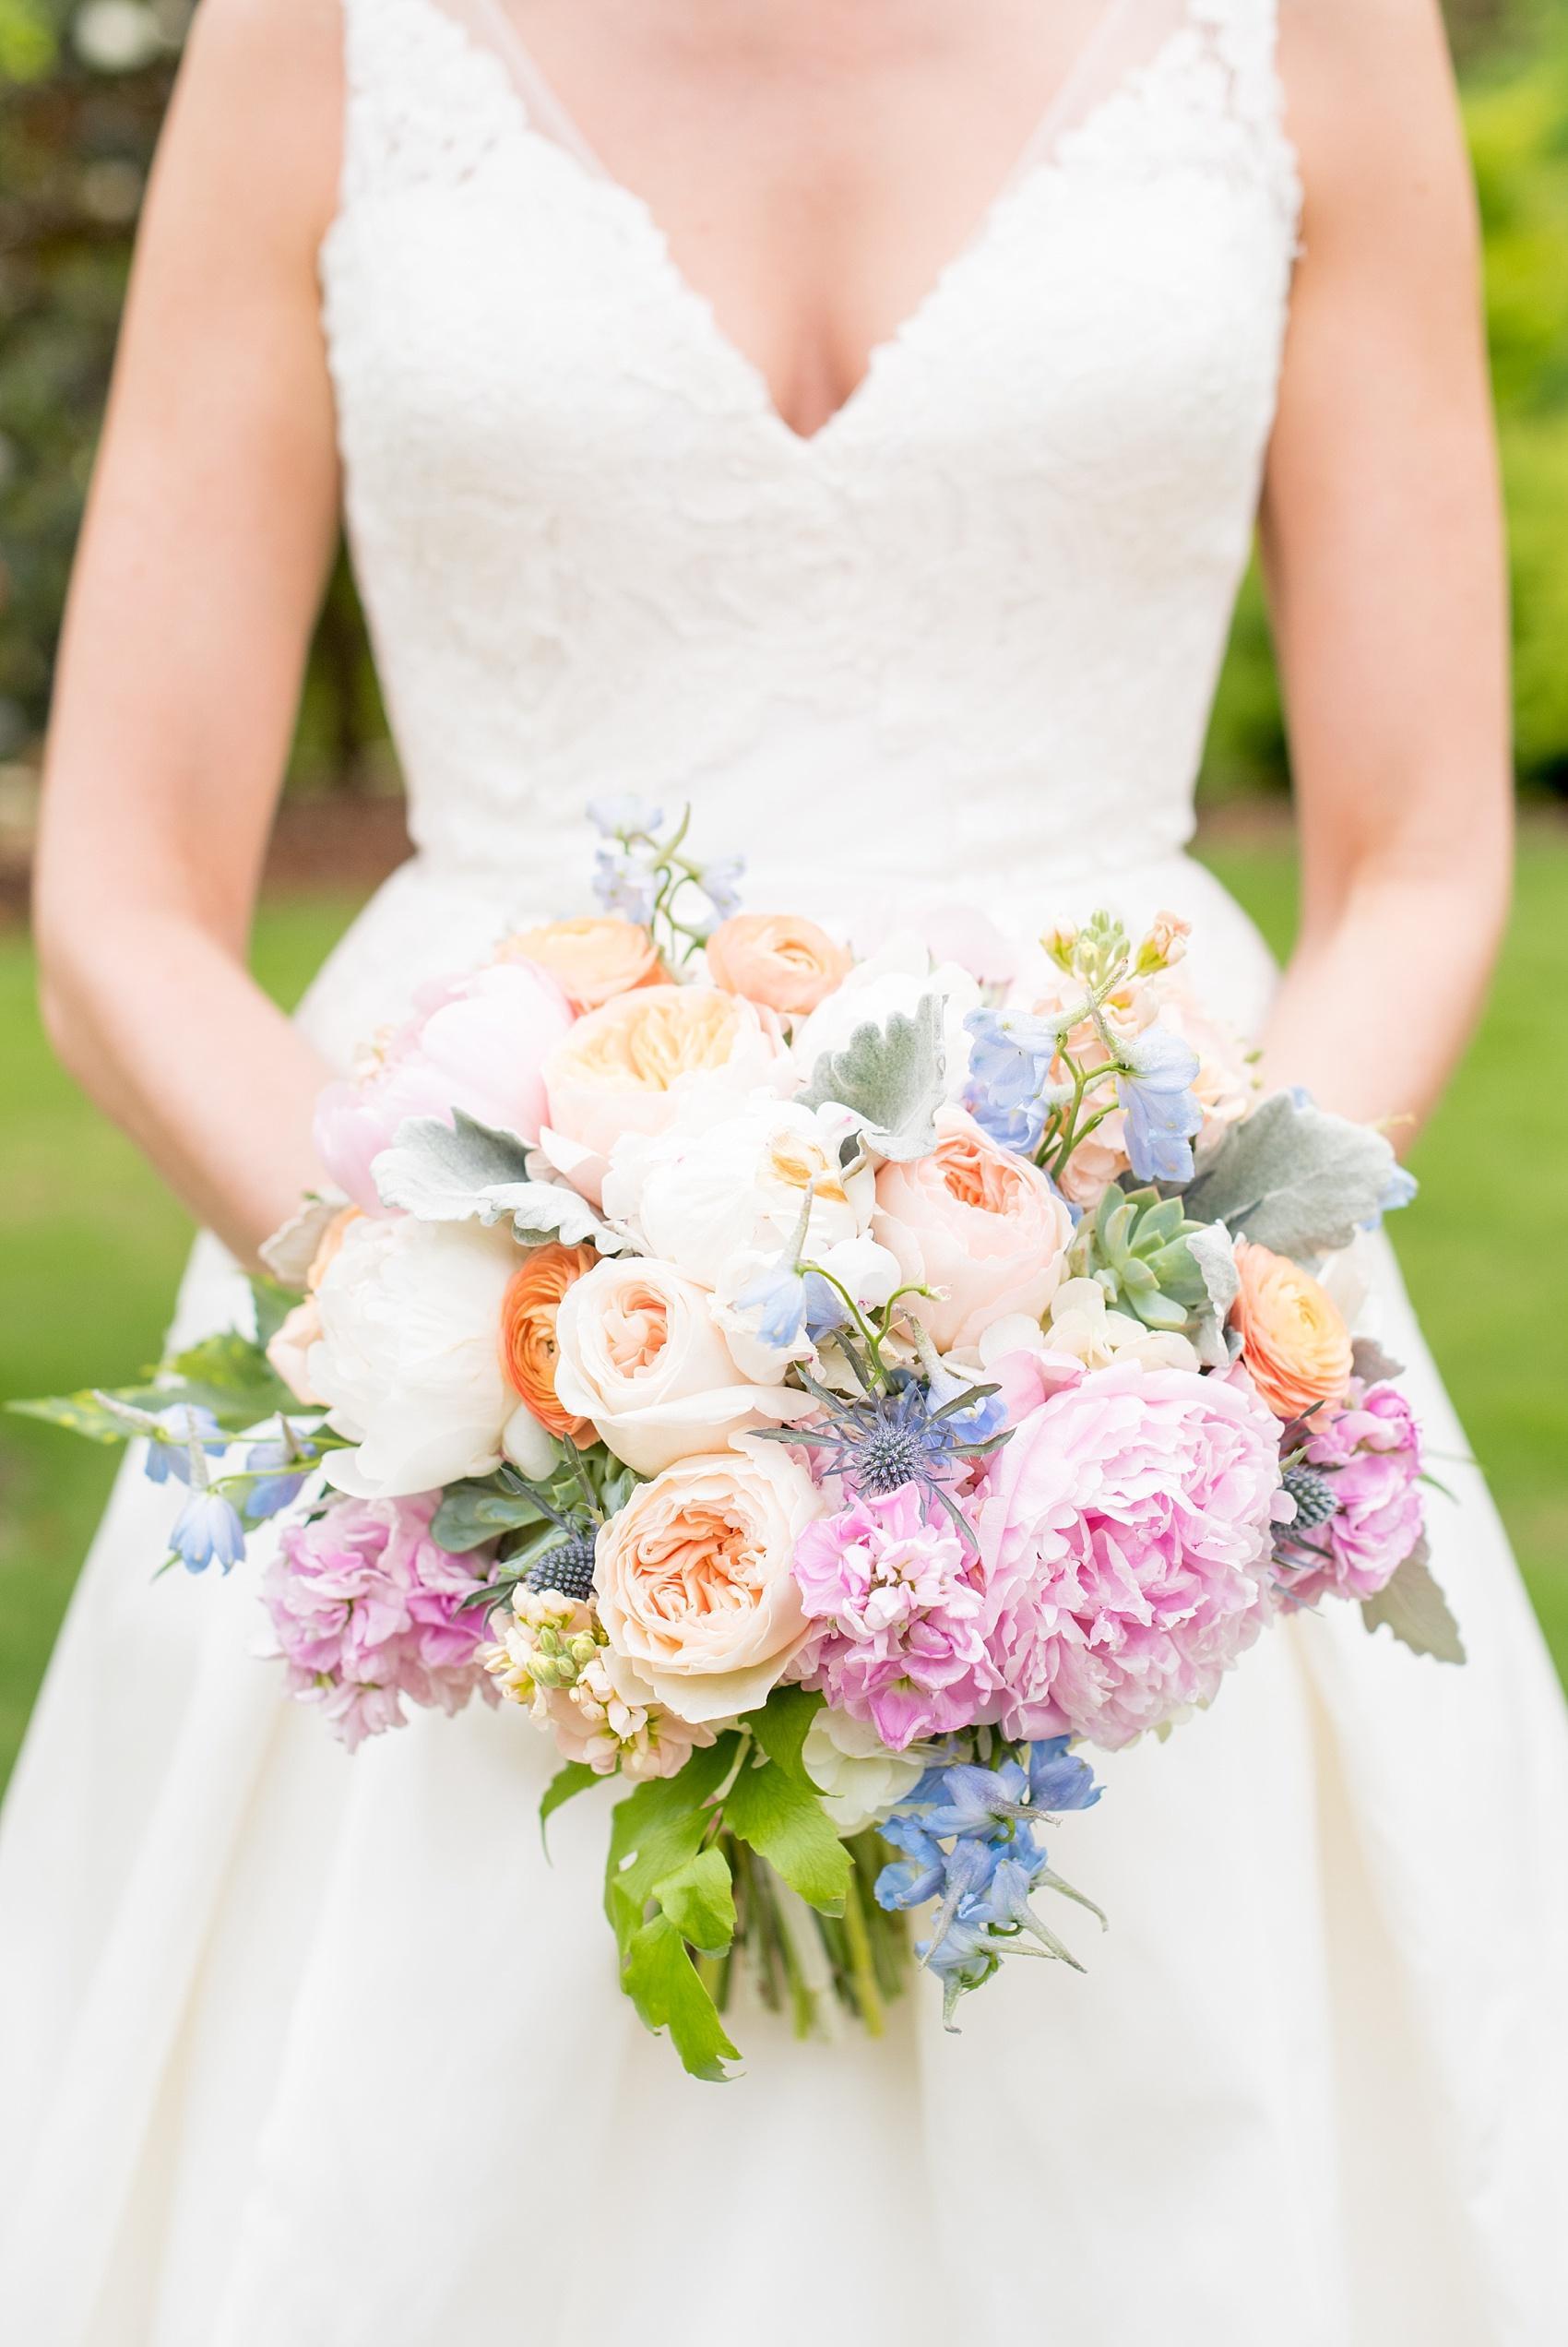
point(828, 1395)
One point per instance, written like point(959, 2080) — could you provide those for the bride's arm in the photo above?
point(1383, 546)
point(209, 531)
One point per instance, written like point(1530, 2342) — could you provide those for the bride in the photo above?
point(851, 414)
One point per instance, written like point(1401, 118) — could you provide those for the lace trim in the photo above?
point(429, 100)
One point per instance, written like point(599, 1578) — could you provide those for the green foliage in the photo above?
point(776, 1811)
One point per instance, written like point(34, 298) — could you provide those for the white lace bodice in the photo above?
point(978, 617)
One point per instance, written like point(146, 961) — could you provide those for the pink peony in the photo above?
point(1127, 1534)
point(1371, 1452)
point(366, 1610)
point(477, 1042)
point(899, 1609)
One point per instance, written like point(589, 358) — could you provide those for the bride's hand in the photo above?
point(210, 529)
point(1384, 546)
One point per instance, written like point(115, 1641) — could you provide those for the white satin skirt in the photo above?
point(300, 2050)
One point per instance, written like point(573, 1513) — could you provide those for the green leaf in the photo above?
point(472, 1513)
point(892, 1077)
point(783, 1820)
point(655, 1829)
point(273, 1305)
point(780, 1727)
point(1415, 1609)
point(663, 1983)
point(700, 1900)
point(83, 1413)
point(466, 1171)
point(563, 1786)
point(1293, 1178)
point(231, 1375)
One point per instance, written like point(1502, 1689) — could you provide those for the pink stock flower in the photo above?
point(899, 1609)
point(1370, 1453)
point(366, 1611)
point(477, 1042)
point(1126, 1537)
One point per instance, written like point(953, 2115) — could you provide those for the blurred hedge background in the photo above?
point(82, 90)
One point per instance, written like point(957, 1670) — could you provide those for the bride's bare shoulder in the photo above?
point(259, 103)
point(1372, 109)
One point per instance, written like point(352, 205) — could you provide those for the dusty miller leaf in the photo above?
point(466, 1171)
point(1415, 1609)
point(1293, 1178)
point(891, 1077)
point(1371, 1365)
point(1213, 1249)
point(472, 1513)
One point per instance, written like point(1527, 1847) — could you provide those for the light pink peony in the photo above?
point(1127, 1533)
point(1370, 1451)
point(477, 1042)
point(899, 1611)
point(366, 1611)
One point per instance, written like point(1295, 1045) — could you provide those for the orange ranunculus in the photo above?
point(592, 959)
point(1294, 1340)
point(787, 965)
point(528, 1333)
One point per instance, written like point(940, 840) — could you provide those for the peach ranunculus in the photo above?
point(694, 1583)
point(626, 1067)
point(592, 959)
point(528, 1352)
point(1294, 1340)
point(977, 1222)
point(289, 1348)
point(785, 964)
point(641, 1354)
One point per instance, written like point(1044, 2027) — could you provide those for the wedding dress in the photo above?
point(305, 2050)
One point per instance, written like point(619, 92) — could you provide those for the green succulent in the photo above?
point(1135, 1245)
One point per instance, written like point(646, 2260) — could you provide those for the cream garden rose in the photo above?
point(640, 1354)
point(695, 1584)
point(626, 1068)
point(976, 1223)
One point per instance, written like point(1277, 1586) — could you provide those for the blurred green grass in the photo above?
point(91, 1248)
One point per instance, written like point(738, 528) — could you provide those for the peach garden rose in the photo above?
point(785, 964)
point(626, 1067)
point(976, 1223)
point(695, 1581)
point(592, 959)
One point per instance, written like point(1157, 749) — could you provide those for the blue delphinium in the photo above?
point(624, 815)
point(627, 881)
point(1010, 1093)
point(1161, 1108)
point(967, 1839)
point(291, 1460)
point(208, 1530)
point(775, 1301)
point(183, 1425)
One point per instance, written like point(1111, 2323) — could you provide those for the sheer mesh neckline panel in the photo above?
point(1109, 44)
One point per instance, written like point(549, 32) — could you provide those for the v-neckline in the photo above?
point(542, 117)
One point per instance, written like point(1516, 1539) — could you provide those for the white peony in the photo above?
point(859, 1780)
point(731, 1179)
point(408, 1358)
